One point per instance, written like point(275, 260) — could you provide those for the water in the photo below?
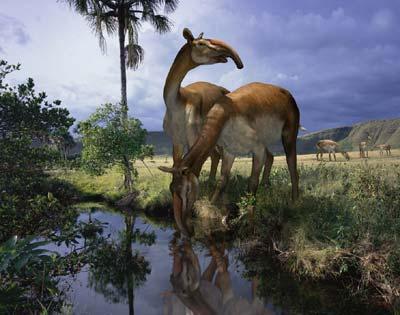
point(128, 276)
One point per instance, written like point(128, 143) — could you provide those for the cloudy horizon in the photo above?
point(339, 59)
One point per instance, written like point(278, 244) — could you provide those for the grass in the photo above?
point(346, 224)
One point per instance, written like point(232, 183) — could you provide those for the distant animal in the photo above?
point(247, 120)
point(188, 106)
point(384, 147)
point(363, 149)
point(363, 146)
point(331, 147)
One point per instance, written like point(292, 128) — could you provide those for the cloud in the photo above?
point(11, 31)
point(340, 62)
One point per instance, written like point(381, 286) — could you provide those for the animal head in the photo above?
point(206, 51)
point(186, 273)
point(346, 155)
point(185, 191)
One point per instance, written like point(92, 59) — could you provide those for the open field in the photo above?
point(154, 184)
point(243, 164)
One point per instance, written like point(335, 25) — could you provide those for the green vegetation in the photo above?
point(107, 142)
point(30, 201)
point(346, 225)
point(125, 19)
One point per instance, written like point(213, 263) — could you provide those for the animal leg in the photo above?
point(258, 162)
point(177, 153)
point(334, 156)
point(289, 144)
point(227, 162)
point(269, 160)
point(330, 159)
point(215, 157)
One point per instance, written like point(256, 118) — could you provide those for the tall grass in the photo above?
point(346, 223)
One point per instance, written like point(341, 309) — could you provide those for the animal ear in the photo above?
point(166, 169)
point(187, 34)
point(200, 35)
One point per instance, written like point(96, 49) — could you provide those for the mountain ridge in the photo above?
point(380, 131)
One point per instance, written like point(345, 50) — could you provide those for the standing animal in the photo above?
point(188, 106)
point(247, 120)
point(363, 146)
point(384, 147)
point(329, 146)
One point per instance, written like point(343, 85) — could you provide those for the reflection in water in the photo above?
point(115, 270)
point(206, 293)
point(197, 275)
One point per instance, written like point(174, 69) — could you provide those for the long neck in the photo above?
point(208, 138)
point(182, 64)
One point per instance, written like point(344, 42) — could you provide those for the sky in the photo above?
point(339, 58)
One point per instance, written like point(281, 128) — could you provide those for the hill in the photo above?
point(380, 131)
point(161, 142)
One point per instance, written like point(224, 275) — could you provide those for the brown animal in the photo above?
point(384, 147)
point(329, 146)
point(247, 120)
point(188, 106)
point(363, 146)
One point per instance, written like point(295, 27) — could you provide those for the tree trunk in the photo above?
point(128, 181)
point(122, 60)
point(124, 99)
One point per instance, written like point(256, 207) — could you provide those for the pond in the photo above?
point(139, 266)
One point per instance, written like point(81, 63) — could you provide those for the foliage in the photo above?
point(108, 142)
point(124, 18)
point(30, 202)
point(345, 224)
point(108, 16)
point(27, 123)
point(26, 276)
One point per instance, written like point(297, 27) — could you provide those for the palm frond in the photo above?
point(160, 22)
point(134, 56)
point(170, 5)
point(80, 6)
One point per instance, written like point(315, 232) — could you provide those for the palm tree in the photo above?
point(126, 18)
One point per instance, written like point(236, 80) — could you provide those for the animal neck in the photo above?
point(207, 140)
point(182, 64)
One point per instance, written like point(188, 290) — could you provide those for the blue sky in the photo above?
point(340, 59)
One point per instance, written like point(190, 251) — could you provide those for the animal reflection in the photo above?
point(209, 292)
